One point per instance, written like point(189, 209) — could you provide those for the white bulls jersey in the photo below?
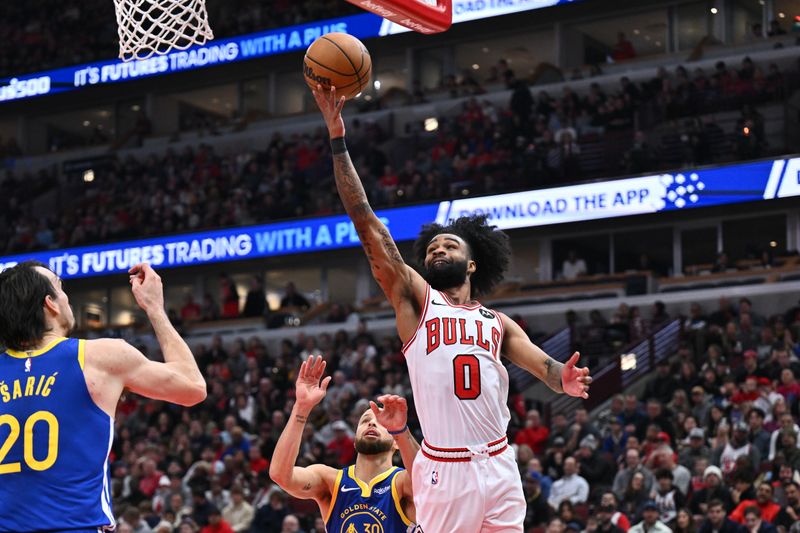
point(460, 385)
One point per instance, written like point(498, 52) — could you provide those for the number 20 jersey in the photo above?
point(54, 443)
point(460, 385)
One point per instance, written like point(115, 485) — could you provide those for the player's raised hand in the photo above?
point(394, 413)
point(147, 288)
point(331, 107)
point(309, 391)
point(575, 381)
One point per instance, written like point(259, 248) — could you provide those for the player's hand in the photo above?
point(331, 108)
point(147, 288)
point(575, 381)
point(309, 391)
point(394, 413)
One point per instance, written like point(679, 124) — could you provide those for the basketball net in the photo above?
point(148, 27)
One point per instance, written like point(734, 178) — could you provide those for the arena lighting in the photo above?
point(88, 176)
point(627, 362)
point(377, 85)
point(431, 124)
point(714, 11)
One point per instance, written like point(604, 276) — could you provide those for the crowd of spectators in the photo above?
point(46, 34)
point(710, 444)
point(483, 148)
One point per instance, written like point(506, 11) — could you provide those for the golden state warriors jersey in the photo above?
point(373, 507)
point(54, 443)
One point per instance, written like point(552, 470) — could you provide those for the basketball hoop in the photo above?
point(423, 16)
point(148, 27)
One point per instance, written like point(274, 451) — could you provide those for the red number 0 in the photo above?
point(467, 376)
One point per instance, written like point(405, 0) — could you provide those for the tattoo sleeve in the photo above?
point(553, 374)
point(350, 188)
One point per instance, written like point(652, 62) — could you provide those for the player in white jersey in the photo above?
point(465, 477)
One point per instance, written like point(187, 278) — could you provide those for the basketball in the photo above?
point(339, 60)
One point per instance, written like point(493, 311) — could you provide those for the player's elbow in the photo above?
point(276, 475)
point(194, 394)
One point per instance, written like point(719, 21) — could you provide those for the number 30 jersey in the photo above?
point(54, 443)
point(460, 385)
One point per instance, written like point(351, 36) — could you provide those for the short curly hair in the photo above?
point(488, 247)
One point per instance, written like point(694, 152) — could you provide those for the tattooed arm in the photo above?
point(316, 481)
point(401, 284)
point(560, 377)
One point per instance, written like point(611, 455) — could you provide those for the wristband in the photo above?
point(398, 432)
point(338, 146)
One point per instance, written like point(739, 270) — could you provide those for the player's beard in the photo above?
point(446, 276)
point(373, 447)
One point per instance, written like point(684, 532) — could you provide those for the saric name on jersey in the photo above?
point(450, 331)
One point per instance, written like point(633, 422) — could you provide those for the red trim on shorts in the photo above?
point(458, 459)
point(495, 443)
point(421, 318)
point(446, 450)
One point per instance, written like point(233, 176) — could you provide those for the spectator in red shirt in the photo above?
point(769, 509)
point(623, 49)
point(342, 445)
point(257, 463)
point(534, 434)
point(150, 478)
point(191, 310)
point(216, 524)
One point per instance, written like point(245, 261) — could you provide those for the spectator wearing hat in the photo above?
point(763, 502)
point(714, 490)
point(615, 441)
point(632, 465)
point(667, 497)
point(537, 510)
point(716, 520)
point(738, 446)
point(604, 514)
point(696, 449)
point(342, 444)
point(749, 367)
point(754, 522)
point(650, 521)
point(216, 524)
point(554, 459)
point(655, 413)
point(534, 434)
point(239, 513)
point(570, 487)
point(594, 466)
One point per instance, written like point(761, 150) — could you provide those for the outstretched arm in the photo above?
point(560, 377)
point(399, 282)
point(393, 416)
point(311, 482)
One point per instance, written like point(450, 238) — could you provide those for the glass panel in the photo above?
point(644, 250)
point(255, 97)
point(786, 19)
point(593, 249)
point(692, 24)
point(699, 246)
point(522, 51)
point(747, 239)
point(133, 123)
point(430, 65)
point(87, 127)
point(625, 37)
point(204, 110)
point(747, 20)
point(292, 94)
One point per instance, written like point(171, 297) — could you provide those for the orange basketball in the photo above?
point(339, 60)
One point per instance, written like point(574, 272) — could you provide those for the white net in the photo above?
point(148, 27)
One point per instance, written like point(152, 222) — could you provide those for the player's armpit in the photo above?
point(519, 349)
point(405, 485)
point(129, 368)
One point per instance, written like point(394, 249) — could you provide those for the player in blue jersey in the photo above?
point(58, 397)
point(371, 496)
